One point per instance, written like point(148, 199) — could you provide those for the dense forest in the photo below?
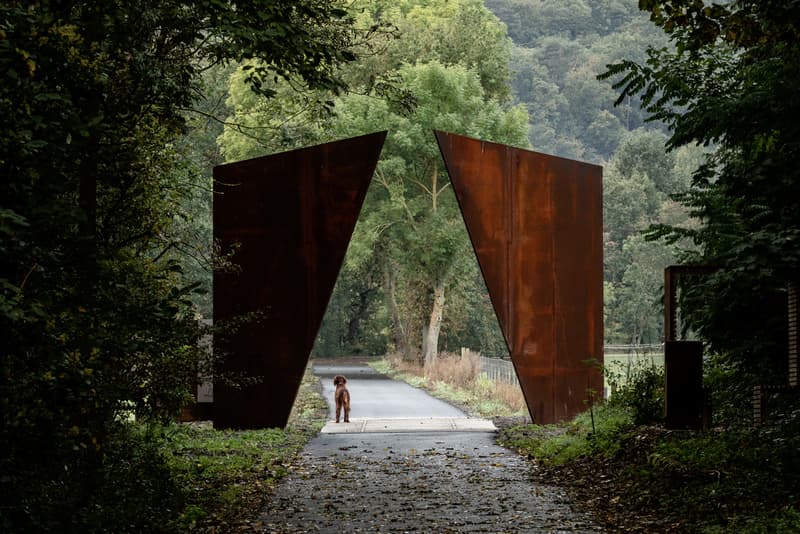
point(521, 73)
point(114, 113)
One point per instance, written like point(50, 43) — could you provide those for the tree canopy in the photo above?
point(451, 62)
point(728, 84)
point(95, 312)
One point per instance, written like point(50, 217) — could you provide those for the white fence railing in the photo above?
point(633, 349)
point(499, 370)
point(502, 370)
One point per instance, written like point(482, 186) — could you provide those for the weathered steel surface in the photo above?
point(535, 222)
point(291, 216)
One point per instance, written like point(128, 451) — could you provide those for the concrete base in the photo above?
point(415, 424)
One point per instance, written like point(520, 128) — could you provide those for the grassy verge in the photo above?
point(647, 478)
point(636, 477)
point(456, 380)
point(226, 475)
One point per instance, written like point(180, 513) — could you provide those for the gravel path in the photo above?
point(416, 482)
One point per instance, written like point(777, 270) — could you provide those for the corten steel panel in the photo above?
point(535, 222)
point(291, 216)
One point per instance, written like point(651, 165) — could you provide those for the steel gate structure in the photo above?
point(288, 219)
point(535, 222)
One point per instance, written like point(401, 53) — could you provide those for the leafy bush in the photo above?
point(559, 444)
point(642, 393)
point(784, 521)
point(126, 487)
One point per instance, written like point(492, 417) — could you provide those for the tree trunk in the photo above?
point(437, 311)
point(357, 317)
point(399, 333)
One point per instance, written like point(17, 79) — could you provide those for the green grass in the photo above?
point(225, 474)
point(478, 398)
point(562, 443)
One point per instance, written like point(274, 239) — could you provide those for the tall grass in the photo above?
point(458, 370)
point(458, 378)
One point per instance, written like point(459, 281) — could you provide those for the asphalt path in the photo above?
point(438, 482)
point(374, 396)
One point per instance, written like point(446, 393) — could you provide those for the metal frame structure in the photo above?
point(536, 223)
point(287, 220)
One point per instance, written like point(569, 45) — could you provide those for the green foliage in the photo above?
point(641, 392)
point(725, 84)
point(356, 322)
point(706, 477)
point(219, 470)
point(461, 32)
point(95, 307)
point(783, 521)
point(134, 491)
point(559, 49)
point(557, 445)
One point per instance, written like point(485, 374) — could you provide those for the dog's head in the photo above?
point(339, 380)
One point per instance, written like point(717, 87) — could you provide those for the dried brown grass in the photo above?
point(404, 366)
point(458, 370)
point(463, 372)
point(510, 395)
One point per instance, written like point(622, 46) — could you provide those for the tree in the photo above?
point(461, 32)
point(641, 290)
point(636, 180)
point(452, 61)
point(420, 231)
point(728, 84)
point(96, 315)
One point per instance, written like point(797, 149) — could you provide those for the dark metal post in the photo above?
point(683, 369)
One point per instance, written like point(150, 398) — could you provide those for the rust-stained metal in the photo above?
point(291, 216)
point(535, 222)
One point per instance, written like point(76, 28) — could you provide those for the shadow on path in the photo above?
point(416, 482)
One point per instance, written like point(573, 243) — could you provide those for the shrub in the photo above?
point(457, 370)
point(558, 444)
point(125, 487)
point(643, 394)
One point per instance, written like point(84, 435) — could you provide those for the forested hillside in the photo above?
point(541, 57)
point(560, 47)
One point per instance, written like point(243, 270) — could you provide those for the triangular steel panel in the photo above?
point(535, 222)
point(288, 218)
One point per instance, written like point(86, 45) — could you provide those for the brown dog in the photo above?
point(342, 397)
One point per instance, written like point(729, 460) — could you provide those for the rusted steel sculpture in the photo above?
point(288, 219)
point(536, 225)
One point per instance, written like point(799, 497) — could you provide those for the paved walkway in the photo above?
point(423, 481)
point(411, 424)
